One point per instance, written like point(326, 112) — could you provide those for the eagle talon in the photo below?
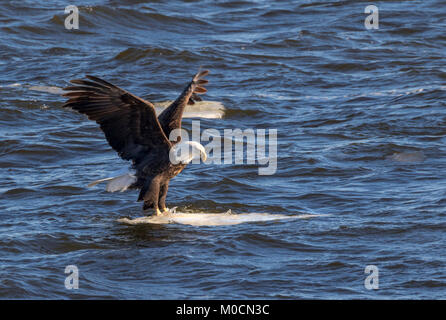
point(163, 212)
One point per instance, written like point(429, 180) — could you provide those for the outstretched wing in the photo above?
point(129, 122)
point(170, 118)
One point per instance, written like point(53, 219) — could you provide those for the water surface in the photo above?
point(361, 127)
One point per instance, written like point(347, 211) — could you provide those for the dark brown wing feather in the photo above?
point(170, 118)
point(129, 122)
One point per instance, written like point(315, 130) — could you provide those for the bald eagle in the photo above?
point(133, 130)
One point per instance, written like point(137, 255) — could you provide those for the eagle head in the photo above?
point(185, 152)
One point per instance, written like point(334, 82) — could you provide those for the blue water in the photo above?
point(361, 125)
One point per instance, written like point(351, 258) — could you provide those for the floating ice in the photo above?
point(213, 219)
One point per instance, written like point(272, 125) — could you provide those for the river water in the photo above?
point(361, 131)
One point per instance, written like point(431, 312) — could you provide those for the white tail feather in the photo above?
point(92, 184)
point(119, 183)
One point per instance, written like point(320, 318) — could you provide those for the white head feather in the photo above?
point(185, 152)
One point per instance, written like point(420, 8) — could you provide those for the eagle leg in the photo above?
point(150, 205)
point(150, 194)
point(162, 197)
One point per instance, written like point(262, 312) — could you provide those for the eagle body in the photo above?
point(153, 181)
point(133, 130)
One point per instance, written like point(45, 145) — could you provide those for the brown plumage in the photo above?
point(133, 130)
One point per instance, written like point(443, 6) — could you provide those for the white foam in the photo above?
point(416, 156)
point(48, 89)
point(201, 109)
point(392, 93)
point(213, 219)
